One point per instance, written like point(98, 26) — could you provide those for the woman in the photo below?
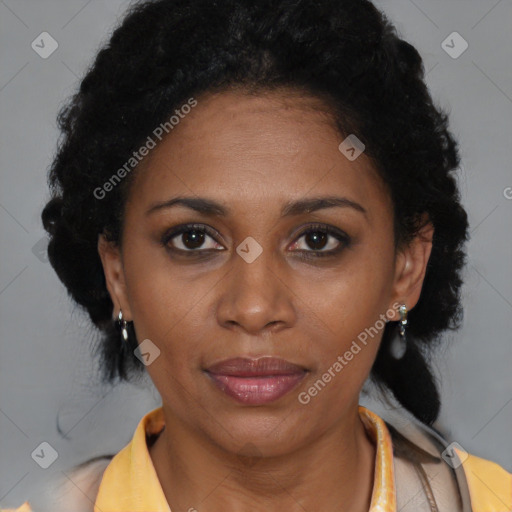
point(255, 202)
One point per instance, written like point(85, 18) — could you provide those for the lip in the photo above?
point(256, 381)
point(255, 367)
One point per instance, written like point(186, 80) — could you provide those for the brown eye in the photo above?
point(193, 239)
point(322, 240)
point(190, 238)
point(316, 239)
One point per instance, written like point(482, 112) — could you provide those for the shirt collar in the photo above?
point(130, 481)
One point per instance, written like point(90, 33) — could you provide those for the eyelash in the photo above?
point(339, 235)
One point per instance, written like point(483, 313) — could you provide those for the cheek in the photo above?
point(344, 351)
point(345, 320)
point(158, 293)
point(351, 298)
point(161, 300)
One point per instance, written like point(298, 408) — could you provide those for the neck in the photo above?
point(332, 472)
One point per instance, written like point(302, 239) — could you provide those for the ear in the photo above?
point(110, 255)
point(411, 266)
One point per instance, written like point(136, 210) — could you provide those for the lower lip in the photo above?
point(256, 390)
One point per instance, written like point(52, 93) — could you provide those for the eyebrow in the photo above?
point(210, 207)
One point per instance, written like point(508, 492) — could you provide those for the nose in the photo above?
point(256, 297)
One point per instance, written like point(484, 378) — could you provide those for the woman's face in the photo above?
point(251, 284)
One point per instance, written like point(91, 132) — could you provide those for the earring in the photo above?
point(398, 344)
point(123, 325)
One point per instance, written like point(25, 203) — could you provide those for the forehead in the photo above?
point(255, 150)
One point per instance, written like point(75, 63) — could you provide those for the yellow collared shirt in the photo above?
point(130, 481)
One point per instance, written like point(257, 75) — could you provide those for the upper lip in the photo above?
point(249, 367)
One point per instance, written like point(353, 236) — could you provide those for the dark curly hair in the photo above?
point(344, 52)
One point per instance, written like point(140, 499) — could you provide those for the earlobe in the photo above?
point(411, 266)
point(114, 275)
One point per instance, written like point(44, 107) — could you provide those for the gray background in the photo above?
point(46, 366)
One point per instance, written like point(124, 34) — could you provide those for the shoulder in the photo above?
point(490, 485)
point(458, 479)
point(73, 489)
point(79, 486)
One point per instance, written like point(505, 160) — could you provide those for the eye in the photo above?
point(193, 238)
point(190, 237)
point(323, 240)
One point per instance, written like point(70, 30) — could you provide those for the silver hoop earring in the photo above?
point(398, 345)
point(123, 325)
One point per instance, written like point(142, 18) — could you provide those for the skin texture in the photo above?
point(254, 154)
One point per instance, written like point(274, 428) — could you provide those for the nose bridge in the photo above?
point(253, 265)
point(254, 295)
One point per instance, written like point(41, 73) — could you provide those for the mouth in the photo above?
point(256, 381)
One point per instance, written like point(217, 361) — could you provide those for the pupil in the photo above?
point(318, 239)
point(193, 239)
